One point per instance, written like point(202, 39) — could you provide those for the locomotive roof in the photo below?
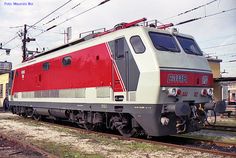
point(86, 38)
point(90, 37)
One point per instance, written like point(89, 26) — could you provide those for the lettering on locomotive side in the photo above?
point(177, 78)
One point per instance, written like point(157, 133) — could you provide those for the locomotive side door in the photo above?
point(120, 50)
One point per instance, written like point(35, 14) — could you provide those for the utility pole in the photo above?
point(25, 39)
point(24, 42)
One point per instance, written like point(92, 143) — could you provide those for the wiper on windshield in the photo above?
point(166, 48)
point(189, 51)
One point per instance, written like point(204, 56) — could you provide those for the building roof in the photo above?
point(222, 79)
point(214, 60)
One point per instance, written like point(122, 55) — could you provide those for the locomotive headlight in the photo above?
point(174, 92)
point(171, 92)
point(210, 91)
point(179, 92)
point(204, 92)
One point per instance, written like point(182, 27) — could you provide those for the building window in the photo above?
point(46, 66)
point(137, 44)
point(7, 89)
point(1, 90)
point(66, 61)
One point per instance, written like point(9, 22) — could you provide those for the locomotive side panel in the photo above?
point(91, 67)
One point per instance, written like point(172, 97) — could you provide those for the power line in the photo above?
point(38, 21)
point(223, 54)
point(228, 55)
point(16, 46)
point(217, 38)
point(219, 46)
point(75, 6)
point(50, 13)
point(10, 40)
point(206, 16)
point(232, 61)
point(190, 10)
point(52, 27)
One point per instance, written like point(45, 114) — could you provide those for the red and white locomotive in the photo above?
point(135, 79)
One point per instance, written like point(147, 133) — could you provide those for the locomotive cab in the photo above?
point(182, 78)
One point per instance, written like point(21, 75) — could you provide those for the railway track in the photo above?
point(220, 128)
point(207, 146)
point(227, 149)
point(15, 148)
point(204, 146)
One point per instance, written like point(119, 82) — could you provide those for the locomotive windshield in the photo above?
point(164, 42)
point(189, 45)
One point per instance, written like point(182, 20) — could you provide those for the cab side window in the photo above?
point(120, 48)
point(137, 44)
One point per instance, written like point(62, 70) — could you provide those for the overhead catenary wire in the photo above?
point(219, 46)
point(223, 55)
point(50, 13)
point(206, 16)
point(16, 46)
point(57, 17)
point(228, 55)
point(52, 27)
point(12, 39)
point(190, 10)
point(229, 61)
point(217, 38)
point(187, 21)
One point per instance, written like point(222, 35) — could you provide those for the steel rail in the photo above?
point(184, 145)
point(27, 145)
point(221, 128)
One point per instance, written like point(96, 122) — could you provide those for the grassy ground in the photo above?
point(69, 150)
point(70, 143)
point(226, 121)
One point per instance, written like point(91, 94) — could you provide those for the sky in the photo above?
point(216, 35)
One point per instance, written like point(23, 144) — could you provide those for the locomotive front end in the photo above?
point(185, 82)
point(184, 95)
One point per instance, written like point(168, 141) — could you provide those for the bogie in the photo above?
point(125, 124)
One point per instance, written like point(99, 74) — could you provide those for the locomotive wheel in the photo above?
point(31, 113)
point(24, 115)
point(126, 131)
point(88, 126)
point(211, 117)
point(37, 117)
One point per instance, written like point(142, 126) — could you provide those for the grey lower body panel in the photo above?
point(147, 115)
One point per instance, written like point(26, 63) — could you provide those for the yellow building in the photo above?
point(4, 79)
point(215, 67)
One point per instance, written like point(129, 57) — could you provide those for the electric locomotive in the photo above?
point(135, 78)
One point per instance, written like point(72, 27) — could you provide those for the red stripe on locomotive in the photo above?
point(191, 79)
point(90, 67)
